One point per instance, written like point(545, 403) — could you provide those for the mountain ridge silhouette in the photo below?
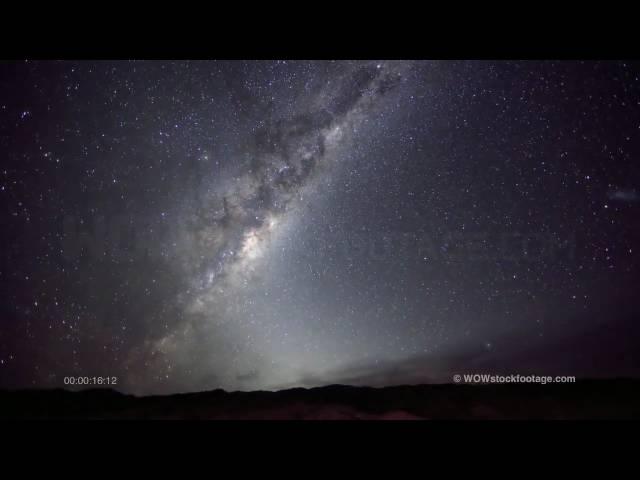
point(585, 399)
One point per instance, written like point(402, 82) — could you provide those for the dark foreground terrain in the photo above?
point(593, 399)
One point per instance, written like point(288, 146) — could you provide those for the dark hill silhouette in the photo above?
point(589, 399)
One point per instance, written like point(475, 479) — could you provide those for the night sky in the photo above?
point(193, 225)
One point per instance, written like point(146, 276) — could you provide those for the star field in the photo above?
point(244, 225)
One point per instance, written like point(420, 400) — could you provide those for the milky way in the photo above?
point(245, 225)
point(236, 223)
